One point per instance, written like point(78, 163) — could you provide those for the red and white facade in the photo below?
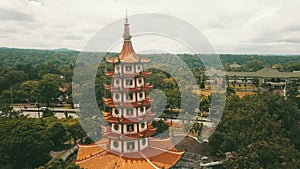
point(127, 142)
point(130, 116)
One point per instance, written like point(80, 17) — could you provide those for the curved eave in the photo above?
point(145, 73)
point(146, 133)
point(105, 129)
point(111, 119)
point(106, 114)
point(111, 104)
point(148, 112)
point(115, 60)
point(136, 89)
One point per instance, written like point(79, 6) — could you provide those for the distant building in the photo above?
point(268, 76)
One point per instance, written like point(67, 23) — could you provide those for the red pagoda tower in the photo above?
point(127, 142)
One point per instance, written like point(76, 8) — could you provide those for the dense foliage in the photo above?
point(262, 131)
point(28, 75)
point(255, 62)
point(26, 142)
point(12, 58)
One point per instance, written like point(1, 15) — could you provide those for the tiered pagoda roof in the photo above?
point(160, 154)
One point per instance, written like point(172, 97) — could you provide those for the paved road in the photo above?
point(34, 112)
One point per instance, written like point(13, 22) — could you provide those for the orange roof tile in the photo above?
point(149, 158)
point(127, 55)
point(87, 151)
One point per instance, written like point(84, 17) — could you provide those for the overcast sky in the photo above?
point(232, 26)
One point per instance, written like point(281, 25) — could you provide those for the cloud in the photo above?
point(8, 30)
point(7, 14)
point(231, 26)
point(72, 37)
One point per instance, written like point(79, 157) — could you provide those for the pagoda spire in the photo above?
point(126, 34)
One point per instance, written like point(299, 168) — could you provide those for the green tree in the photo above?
point(57, 134)
point(292, 90)
point(253, 65)
point(15, 76)
point(30, 88)
point(162, 128)
point(230, 91)
point(202, 85)
point(48, 88)
point(24, 143)
point(260, 132)
point(47, 113)
point(6, 109)
point(204, 103)
point(75, 130)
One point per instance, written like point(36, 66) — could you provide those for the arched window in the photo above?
point(143, 125)
point(129, 82)
point(140, 81)
point(130, 145)
point(116, 144)
point(141, 95)
point(117, 67)
point(117, 111)
point(128, 68)
point(130, 128)
point(116, 127)
point(129, 96)
point(129, 112)
point(144, 142)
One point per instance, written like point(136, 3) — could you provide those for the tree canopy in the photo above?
point(262, 131)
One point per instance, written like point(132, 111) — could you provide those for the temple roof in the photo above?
point(160, 154)
point(265, 73)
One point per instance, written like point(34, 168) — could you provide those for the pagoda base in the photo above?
point(160, 153)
